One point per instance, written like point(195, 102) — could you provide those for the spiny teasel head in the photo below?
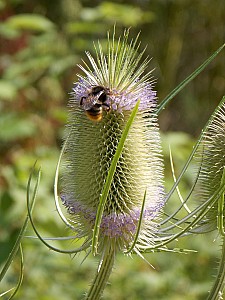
point(100, 106)
point(211, 162)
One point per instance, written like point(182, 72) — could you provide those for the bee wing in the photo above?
point(88, 102)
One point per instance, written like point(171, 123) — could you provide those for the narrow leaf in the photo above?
point(188, 79)
point(138, 227)
point(109, 179)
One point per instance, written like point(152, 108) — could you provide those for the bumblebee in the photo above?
point(95, 103)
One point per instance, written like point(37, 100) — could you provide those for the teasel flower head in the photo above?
point(211, 178)
point(100, 106)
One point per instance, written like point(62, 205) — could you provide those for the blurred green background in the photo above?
point(40, 44)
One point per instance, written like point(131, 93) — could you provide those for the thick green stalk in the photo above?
point(217, 290)
point(104, 270)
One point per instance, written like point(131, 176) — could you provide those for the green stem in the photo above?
point(104, 270)
point(217, 290)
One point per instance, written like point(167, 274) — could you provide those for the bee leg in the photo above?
point(106, 106)
point(82, 100)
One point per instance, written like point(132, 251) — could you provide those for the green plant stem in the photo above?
point(104, 270)
point(216, 292)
